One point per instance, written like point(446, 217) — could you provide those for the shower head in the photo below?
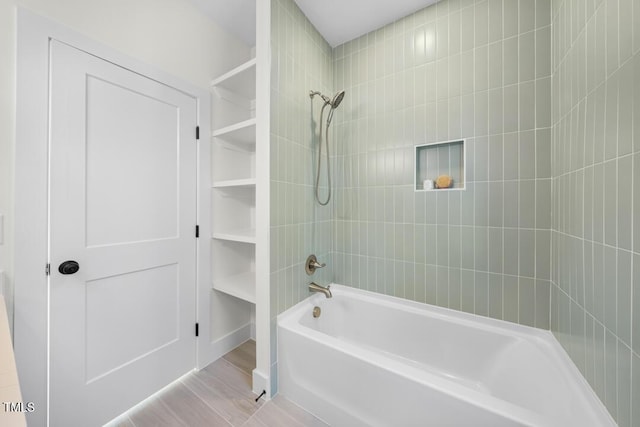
point(328, 101)
point(337, 99)
point(334, 104)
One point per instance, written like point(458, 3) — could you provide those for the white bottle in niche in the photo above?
point(427, 184)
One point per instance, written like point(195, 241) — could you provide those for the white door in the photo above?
point(123, 206)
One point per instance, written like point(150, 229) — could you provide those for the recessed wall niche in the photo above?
point(441, 162)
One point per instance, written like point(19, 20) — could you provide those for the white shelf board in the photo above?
point(249, 182)
point(237, 146)
point(241, 286)
point(240, 80)
point(243, 133)
point(245, 236)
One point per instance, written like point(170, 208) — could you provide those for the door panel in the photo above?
point(131, 166)
point(116, 338)
point(123, 205)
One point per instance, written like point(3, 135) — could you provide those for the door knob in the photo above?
point(69, 267)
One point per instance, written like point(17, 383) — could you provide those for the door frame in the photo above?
point(31, 292)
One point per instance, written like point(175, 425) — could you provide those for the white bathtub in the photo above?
point(373, 360)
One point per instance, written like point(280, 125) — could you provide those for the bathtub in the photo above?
point(374, 360)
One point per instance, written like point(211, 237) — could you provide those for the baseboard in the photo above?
point(222, 346)
point(260, 384)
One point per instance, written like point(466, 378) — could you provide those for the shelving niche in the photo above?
point(233, 187)
point(235, 274)
point(440, 158)
point(238, 300)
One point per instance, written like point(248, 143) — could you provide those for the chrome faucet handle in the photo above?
point(312, 264)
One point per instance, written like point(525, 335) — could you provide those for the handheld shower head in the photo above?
point(337, 99)
point(333, 103)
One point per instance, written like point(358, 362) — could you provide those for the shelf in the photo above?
point(237, 146)
point(235, 183)
point(245, 236)
point(242, 133)
point(440, 159)
point(241, 80)
point(241, 286)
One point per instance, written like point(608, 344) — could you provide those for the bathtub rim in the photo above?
point(290, 320)
point(442, 313)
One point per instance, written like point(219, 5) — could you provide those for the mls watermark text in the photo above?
point(19, 406)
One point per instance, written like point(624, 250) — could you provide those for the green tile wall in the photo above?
point(478, 70)
point(300, 61)
point(595, 292)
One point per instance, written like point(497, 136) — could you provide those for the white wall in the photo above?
point(7, 138)
point(171, 35)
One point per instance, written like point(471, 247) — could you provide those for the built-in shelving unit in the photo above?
point(233, 185)
point(238, 303)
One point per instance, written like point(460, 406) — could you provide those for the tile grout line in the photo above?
point(253, 417)
point(289, 416)
point(206, 403)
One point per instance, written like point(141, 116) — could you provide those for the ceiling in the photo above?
point(342, 20)
point(337, 20)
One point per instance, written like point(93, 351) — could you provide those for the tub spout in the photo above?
point(314, 287)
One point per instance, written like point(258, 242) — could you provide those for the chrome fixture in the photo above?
point(333, 103)
point(337, 99)
point(312, 264)
point(313, 287)
point(316, 312)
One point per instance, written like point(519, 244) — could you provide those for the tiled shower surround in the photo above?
point(544, 234)
point(595, 293)
point(459, 69)
point(301, 60)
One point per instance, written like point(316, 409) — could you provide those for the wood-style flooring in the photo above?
point(218, 395)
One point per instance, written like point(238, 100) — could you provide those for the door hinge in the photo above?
point(47, 269)
point(197, 329)
point(197, 132)
point(197, 231)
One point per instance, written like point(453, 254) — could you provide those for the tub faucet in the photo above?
point(314, 287)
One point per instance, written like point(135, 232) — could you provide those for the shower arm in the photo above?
point(325, 98)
